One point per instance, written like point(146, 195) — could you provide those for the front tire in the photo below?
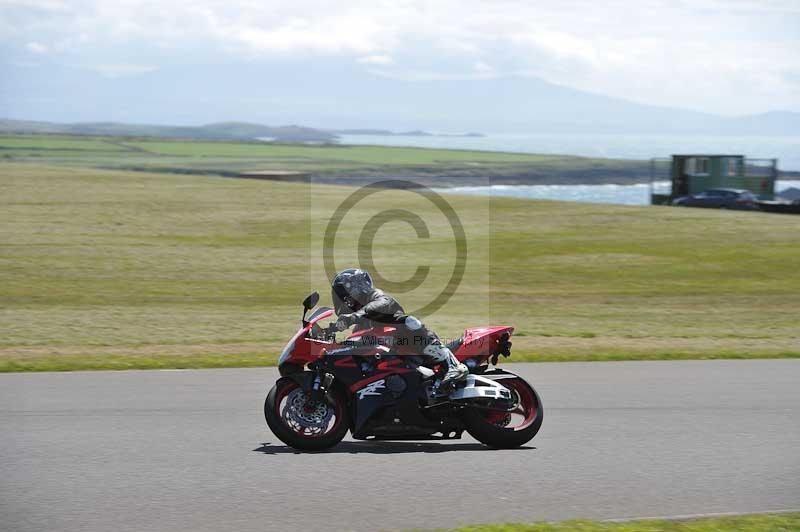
point(502, 429)
point(302, 423)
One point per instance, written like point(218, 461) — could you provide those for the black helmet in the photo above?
point(350, 290)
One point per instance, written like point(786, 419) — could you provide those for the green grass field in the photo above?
point(113, 269)
point(789, 522)
point(324, 162)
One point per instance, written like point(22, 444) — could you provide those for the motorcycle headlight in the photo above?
point(286, 353)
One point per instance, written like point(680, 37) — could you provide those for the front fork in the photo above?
point(317, 383)
point(320, 384)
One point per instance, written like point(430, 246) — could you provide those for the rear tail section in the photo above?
point(483, 343)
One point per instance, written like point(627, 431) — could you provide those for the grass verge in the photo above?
point(98, 361)
point(103, 269)
point(787, 522)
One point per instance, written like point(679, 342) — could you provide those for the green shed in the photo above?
point(682, 175)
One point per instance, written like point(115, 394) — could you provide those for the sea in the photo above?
point(613, 194)
point(784, 148)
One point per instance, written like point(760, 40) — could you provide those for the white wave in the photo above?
point(638, 194)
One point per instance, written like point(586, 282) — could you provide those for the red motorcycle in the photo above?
point(378, 388)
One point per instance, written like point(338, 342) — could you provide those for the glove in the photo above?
point(345, 321)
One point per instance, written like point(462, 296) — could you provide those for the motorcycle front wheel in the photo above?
point(505, 429)
point(302, 423)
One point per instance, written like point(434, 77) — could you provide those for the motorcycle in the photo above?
point(375, 386)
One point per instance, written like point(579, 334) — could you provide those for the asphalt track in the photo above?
point(189, 450)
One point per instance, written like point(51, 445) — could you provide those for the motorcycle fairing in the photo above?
point(377, 406)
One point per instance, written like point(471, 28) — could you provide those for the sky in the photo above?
point(730, 57)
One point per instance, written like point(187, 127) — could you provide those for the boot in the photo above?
point(456, 371)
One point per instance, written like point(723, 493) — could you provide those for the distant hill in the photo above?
point(388, 133)
point(341, 96)
point(217, 131)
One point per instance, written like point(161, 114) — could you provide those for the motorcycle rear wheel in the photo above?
point(301, 423)
point(495, 428)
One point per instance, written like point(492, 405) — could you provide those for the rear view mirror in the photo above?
point(311, 301)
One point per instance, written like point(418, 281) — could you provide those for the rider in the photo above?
point(357, 302)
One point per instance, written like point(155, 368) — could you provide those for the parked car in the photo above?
point(720, 198)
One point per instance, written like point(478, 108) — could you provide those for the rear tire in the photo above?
point(482, 428)
point(294, 435)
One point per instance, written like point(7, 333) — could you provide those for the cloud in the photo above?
point(36, 48)
point(730, 56)
point(379, 59)
point(122, 70)
point(343, 34)
point(483, 69)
